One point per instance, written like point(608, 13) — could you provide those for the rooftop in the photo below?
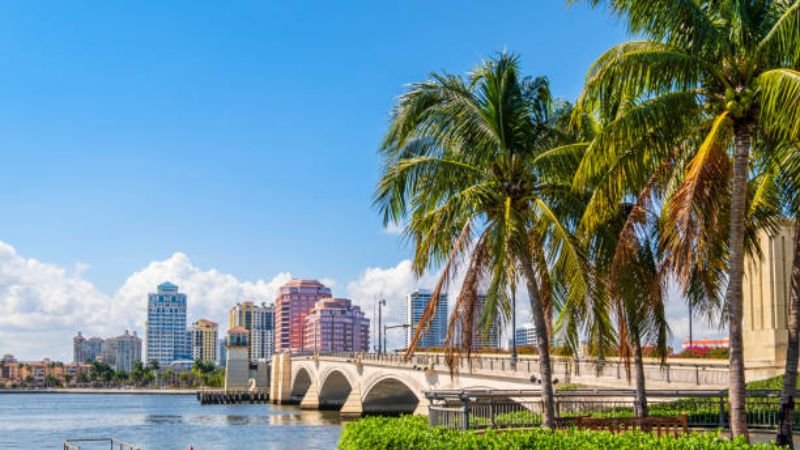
point(167, 285)
point(303, 283)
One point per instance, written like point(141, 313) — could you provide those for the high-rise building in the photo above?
point(336, 325)
point(86, 350)
point(416, 302)
point(485, 338)
point(123, 351)
point(223, 352)
point(167, 336)
point(204, 335)
point(525, 334)
point(259, 321)
point(295, 300)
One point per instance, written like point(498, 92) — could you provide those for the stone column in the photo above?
point(280, 388)
point(766, 290)
point(311, 399)
point(352, 406)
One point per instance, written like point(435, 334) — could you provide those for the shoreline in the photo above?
point(98, 391)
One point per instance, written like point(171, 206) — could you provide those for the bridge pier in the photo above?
point(280, 386)
point(311, 399)
point(352, 406)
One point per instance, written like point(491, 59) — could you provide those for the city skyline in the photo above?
point(394, 313)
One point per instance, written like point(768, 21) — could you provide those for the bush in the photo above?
point(769, 384)
point(413, 432)
point(703, 353)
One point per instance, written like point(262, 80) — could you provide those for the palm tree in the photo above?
point(733, 62)
point(466, 172)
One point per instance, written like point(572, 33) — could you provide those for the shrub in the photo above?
point(413, 432)
point(703, 353)
point(774, 383)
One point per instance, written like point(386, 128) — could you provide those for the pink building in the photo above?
point(295, 300)
point(335, 325)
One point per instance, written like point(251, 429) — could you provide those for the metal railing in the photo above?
point(97, 443)
point(478, 409)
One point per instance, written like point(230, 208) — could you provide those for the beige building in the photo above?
point(766, 293)
point(204, 340)
point(258, 320)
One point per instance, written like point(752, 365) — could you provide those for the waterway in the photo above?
point(160, 422)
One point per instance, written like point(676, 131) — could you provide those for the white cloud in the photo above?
point(393, 229)
point(42, 305)
point(392, 284)
point(210, 293)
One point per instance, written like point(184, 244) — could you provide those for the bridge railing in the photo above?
point(565, 369)
point(521, 408)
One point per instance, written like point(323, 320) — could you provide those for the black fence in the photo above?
point(521, 409)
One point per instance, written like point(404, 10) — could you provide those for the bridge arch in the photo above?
point(391, 394)
point(301, 382)
point(334, 388)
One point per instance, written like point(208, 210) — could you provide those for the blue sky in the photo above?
point(241, 133)
point(224, 145)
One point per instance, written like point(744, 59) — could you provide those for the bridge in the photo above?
point(362, 383)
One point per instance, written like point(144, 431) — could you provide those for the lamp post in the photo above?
point(389, 327)
point(381, 304)
point(513, 325)
point(690, 325)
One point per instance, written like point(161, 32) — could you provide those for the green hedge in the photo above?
point(413, 432)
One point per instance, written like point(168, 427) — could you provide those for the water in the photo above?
point(160, 422)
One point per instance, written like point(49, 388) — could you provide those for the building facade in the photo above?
point(525, 335)
point(259, 321)
point(167, 336)
point(336, 325)
point(122, 352)
point(416, 302)
point(237, 362)
point(204, 337)
point(482, 339)
point(45, 373)
point(766, 290)
point(295, 299)
point(86, 350)
point(222, 352)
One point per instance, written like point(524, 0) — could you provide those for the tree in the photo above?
point(120, 377)
point(138, 374)
point(203, 367)
point(730, 64)
point(465, 169)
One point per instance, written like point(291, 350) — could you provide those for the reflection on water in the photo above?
point(161, 422)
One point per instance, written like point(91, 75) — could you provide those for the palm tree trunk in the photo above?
point(784, 437)
point(733, 296)
point(638, 372)
point(543, 345)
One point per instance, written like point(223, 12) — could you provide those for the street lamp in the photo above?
point(389, 327)
point(381, 304)
point(513, 325)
